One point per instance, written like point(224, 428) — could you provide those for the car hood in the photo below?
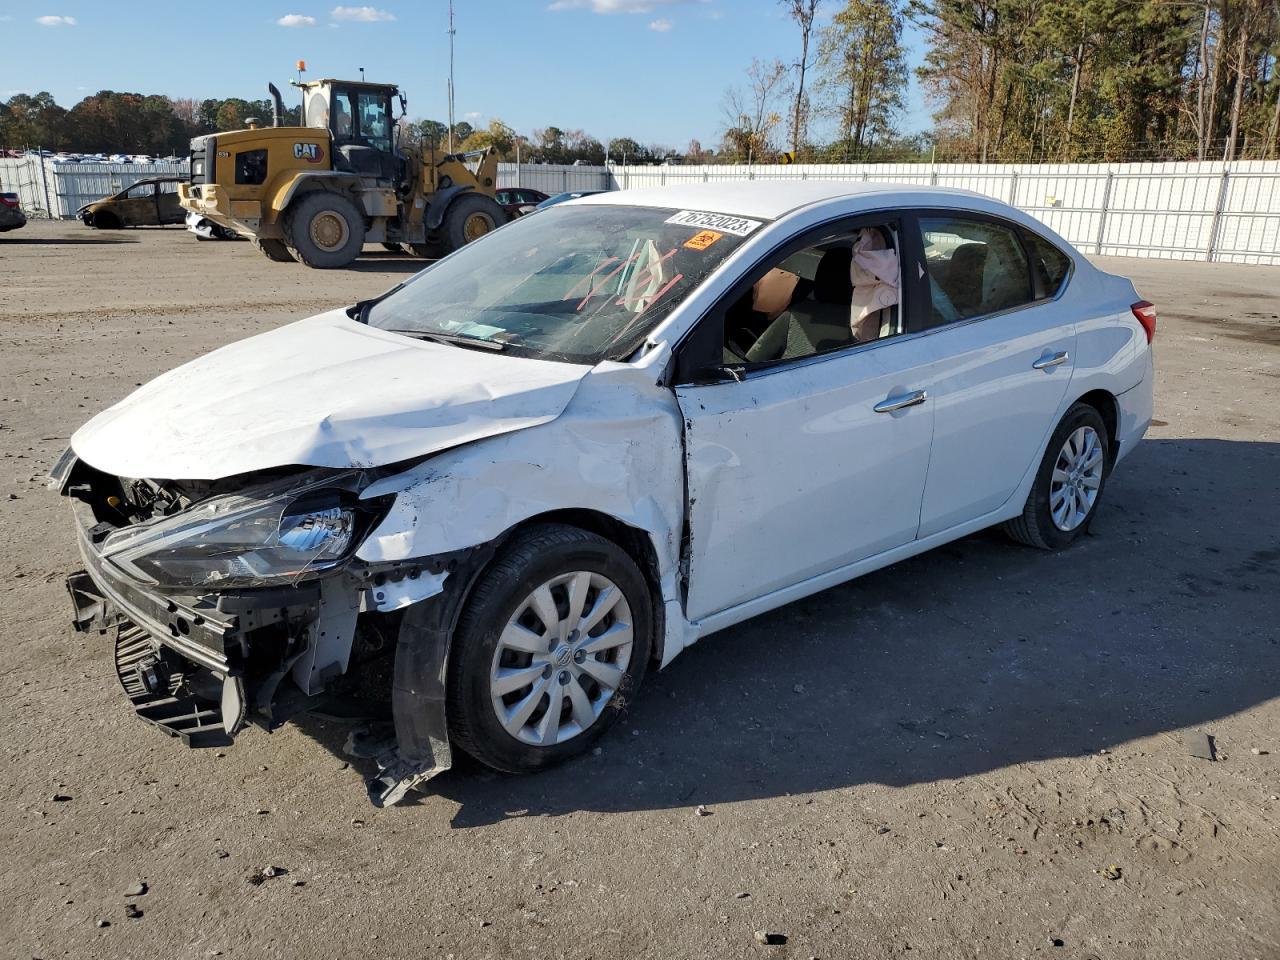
point(323, 392)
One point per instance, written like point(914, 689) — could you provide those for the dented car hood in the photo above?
point(323, 392)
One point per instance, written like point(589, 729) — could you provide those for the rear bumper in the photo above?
point(1136, 406)
point(243, 216)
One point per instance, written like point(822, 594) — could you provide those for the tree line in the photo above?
point(1017, 80)
point(134, 123)
point(153, 124)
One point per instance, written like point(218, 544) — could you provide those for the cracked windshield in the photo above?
point(580, 284)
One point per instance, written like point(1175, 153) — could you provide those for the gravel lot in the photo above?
point(945, 758)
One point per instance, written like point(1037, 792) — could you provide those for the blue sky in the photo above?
point(655, 70)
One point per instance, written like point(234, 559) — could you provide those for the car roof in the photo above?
point(768, 199)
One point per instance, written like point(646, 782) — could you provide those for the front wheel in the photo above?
point(470, 217)
point(553, 642)
point(1069, 483)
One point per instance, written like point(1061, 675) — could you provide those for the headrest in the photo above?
point(832, 282)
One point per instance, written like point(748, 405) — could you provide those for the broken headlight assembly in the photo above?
point(274, 535)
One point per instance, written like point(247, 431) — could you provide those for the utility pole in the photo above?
point(452, 32)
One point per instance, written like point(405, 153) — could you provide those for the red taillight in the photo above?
point(8, 201)
point(1146, 314)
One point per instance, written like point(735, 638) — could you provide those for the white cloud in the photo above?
point(296, 20)
point(361, 14)
point(473, 115)
point(618, 6)
point(661, 25)
point(56, 21)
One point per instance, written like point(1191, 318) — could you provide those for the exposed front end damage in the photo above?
point(202, 661)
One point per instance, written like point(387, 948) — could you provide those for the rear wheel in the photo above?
point(274, 250)
point(470, 217)
point(324, 229)
point(1069, 483)
point(554, 640)
point(427, 251)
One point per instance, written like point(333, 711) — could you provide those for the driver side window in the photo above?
point(838, 293)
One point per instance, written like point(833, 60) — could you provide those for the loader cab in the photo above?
point(360, 119)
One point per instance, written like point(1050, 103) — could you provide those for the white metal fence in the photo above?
point(1178, 211)
point(58, 190)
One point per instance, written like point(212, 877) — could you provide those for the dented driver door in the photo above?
point(799, 469)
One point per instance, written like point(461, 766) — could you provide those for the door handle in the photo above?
point(1050, 360)
point(901, 401)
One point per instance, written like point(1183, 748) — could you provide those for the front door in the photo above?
point(812, 453)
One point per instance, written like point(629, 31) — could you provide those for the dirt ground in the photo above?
point(944, 759)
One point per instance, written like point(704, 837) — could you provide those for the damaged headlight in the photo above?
point(271, 537)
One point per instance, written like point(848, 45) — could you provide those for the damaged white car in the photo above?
point(553, 460)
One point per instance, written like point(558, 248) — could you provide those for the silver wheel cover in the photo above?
point(560, 658)
point(1076, 478)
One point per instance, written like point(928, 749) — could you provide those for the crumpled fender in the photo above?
point(615, 450)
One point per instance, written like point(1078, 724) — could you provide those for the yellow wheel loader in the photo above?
point(318, 193)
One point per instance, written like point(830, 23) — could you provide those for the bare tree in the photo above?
point(751, 114)
point(803, 13)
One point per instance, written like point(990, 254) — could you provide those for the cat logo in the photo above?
point(311, 152)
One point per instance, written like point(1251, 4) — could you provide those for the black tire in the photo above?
point(392, 247)
point(332, 214)
point(274, 250)
point(467, 210)
point(1035, 527)
point(427, 251)
point(531, 559)
point(103, 220)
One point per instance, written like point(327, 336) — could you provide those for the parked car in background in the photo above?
point(518, 201)
point(11, 215)
point(562, 197)
point(206, 229)
point(149, 202)
point(572, 449)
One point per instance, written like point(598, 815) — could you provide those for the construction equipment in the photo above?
point(318, 193)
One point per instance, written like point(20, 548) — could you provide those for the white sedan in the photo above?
point(560, 456)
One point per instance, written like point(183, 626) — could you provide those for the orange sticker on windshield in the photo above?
point(700, 241)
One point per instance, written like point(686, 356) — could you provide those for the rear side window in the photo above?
point(1050, 264)
point(976, 267)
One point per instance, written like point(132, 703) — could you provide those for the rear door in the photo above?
point(1006, 354)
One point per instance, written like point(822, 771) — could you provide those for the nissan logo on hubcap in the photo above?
point(563, 657)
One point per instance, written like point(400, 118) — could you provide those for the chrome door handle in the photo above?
point(1047, 361)
point(901, 401)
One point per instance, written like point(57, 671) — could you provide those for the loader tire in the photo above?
point(324, 229)
point(469, 218)
point(427, 251)
point(274, 250)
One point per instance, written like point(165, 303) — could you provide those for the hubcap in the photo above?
point(476, 226)
point(561, 658)
point(1077, 475)
point(329, 230)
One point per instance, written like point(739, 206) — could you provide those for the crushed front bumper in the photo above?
point(182, 659)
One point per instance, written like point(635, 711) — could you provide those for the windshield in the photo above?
point(574, 283)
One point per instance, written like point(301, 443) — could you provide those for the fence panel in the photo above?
point(58, 190)
point(1187, 211)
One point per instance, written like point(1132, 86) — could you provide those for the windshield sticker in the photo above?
point(700, 241)
point(738, 226)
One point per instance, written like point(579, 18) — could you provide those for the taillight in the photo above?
point(1146, 314)
point(9, 201)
